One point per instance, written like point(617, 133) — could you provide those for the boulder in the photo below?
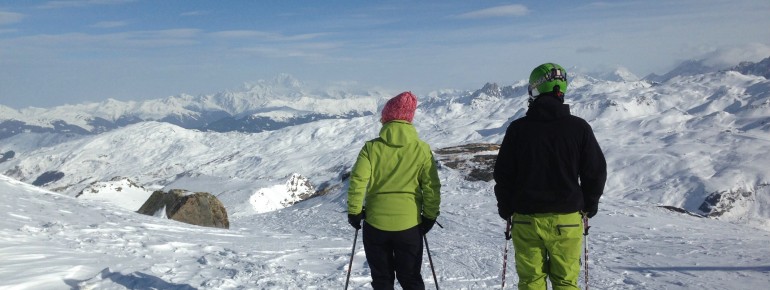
point(199, 208)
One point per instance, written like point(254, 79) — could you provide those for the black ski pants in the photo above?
point(389, 252)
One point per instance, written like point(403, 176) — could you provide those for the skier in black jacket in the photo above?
point(549, 170)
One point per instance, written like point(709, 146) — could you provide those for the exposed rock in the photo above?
point(7, 156)
point(299, 188)
point(489, 89)
point(476, 160)
point(48, 177)
point(719, 203)
point(199, 208)
point(296, 189)
point(761, 68)
point(680, 210)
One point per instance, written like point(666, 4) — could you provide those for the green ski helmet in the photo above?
point(546, 78)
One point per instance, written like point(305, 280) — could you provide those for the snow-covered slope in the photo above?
point(682, 143)
point(52, 241)
point(232, 165)
point(119, 191)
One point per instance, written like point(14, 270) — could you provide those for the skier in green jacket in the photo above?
point(395, 175)
point(549, 169)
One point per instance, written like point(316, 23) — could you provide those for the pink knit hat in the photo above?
point(400, 107)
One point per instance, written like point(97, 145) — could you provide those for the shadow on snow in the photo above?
point(135, 280)
point(700, 268)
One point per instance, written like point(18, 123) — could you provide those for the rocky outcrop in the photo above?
point(476, 160)
point(761, 68)
point(720, 203)
point(679, 210)
point(299, 188)
point(7, 156)
point(199, 208)
point(296, 189)
point(48, 177)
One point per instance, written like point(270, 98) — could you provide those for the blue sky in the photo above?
point(74, 51)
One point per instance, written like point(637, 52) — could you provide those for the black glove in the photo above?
point(355, 220)
point(591, 210)
point(426, 225)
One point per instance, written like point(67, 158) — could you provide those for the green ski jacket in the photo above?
point(396, 175)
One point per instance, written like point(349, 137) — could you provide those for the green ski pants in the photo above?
point(547, 245)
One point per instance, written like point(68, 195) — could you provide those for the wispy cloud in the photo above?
point(109, 24)
point(80, 3)
point(10, 17)
point(729, 56)
point(590, 49)
point(194, 13)
point(131, 39)
point(499, 11)
point(265, 35)
point(240, 34)
point(273, 52)
point(315, 51)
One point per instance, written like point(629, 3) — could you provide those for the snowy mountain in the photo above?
point(257, 107)
point(620, 74)
point(686, 68)
point(696, 143)
point(703, 66)
point(761, 68)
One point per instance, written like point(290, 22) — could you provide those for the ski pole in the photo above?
point(352, 254)
point(431, 261)
point(505, 253)
point(585, 247)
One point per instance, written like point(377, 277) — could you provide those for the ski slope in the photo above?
point(51, 241)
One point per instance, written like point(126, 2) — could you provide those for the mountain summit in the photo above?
point(259, 106)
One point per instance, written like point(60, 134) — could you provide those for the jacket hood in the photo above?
point(547, 108)
point(398, 133)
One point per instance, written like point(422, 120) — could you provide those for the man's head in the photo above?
point(547, 78)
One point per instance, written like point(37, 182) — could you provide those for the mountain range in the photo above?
point(696, 141)
point(686, 205)
point(259, 106)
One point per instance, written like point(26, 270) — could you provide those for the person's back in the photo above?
point(398, 166)
point(549, 169)
point(546, 151)
point(396, 176)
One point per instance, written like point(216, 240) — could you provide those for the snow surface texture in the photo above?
point(51, 241)
point(670, 144)
point(119, 191)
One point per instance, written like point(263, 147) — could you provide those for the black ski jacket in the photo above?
point(542, 158)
